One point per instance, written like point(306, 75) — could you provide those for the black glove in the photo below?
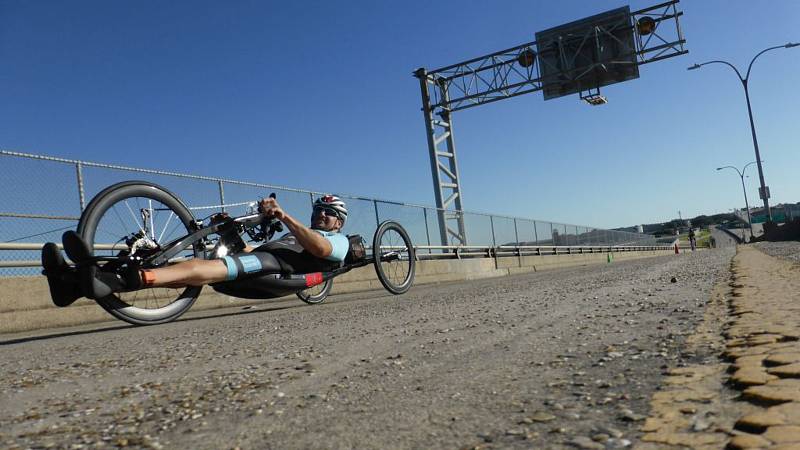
point(219, 218)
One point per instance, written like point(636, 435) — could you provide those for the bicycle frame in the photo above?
point(174, 248)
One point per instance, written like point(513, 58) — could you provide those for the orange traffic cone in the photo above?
point(677, 252)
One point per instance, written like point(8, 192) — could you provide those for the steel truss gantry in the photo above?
point(514, 72)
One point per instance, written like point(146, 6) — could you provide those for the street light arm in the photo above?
point(697, 66)
point(759, 54)
point(731, 167)
point(748, 165)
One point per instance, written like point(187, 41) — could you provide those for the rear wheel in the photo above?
point(316, 294)
point(137, 218)
point(394, 257)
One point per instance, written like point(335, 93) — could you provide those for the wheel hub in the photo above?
point(139, 242)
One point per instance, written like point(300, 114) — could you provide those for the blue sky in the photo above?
point(319, 95)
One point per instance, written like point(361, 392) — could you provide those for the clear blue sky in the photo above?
point(319, 95)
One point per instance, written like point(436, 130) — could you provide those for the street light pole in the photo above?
point(744, 191)
point(763, 191)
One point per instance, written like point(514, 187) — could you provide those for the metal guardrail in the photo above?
point(50, 193)
point(454, 252)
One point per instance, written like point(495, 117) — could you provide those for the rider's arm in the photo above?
point(311, 241)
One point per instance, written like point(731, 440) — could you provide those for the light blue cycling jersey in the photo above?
point(339, 243)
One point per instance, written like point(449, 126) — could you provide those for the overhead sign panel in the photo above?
point(586, 54)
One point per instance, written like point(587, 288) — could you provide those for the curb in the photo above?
point(750, 399)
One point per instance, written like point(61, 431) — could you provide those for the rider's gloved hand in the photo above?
point(271, 208)
point(219, 218)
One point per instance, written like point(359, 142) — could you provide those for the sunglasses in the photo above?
point(326, 212)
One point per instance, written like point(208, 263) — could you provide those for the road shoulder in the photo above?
point(750, 396)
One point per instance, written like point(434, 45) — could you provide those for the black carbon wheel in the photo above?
point(137, 216)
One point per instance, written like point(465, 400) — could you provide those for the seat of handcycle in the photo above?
point(295, 270)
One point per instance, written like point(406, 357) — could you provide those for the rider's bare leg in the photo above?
point(196, 272)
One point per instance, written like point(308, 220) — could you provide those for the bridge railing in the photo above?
point(45, 196)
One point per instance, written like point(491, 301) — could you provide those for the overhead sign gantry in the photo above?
point(577, 57)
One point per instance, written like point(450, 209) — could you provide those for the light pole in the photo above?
point(744, 191)
point(763, 191)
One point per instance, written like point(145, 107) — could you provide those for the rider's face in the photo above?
point(325, 219)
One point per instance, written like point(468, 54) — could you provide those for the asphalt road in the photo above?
point(558, 359)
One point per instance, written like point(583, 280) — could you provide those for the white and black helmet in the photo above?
point(334, 203)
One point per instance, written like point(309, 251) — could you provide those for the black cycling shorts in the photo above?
point(242, 265)
point(283, 255)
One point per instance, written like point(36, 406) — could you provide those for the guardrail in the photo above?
point(446, 252)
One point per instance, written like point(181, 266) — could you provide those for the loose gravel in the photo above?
point(558, 359)
point(789, 250)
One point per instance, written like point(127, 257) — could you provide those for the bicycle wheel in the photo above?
point(136, 217)
point(394, 257)
point(316, 294)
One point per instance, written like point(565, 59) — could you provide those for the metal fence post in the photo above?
point(221, 195)
point(427, 232)
point(377, 219)
point(81, 198)
point(535, 233)
point(491, 222)
point(516, 237)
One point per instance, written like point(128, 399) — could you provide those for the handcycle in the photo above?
point(142, 223)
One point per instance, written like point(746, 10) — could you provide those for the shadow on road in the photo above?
point(200, 315)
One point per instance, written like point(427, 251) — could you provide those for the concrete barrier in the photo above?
point(25, 301)
point(736, 237)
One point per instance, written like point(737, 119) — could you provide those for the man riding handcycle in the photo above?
point(141, 255)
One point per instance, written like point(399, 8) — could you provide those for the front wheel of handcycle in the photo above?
point(394, 257)
point(316, 294)
point(138, 217)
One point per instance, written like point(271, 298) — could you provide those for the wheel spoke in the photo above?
point(171, 215)
point(121, 222)
point(135, 219)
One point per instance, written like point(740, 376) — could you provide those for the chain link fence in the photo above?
point(45, 196)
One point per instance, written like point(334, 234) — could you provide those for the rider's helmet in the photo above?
point(333, 203)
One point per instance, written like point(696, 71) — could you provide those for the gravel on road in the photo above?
point(789, 250)
point(557, 359)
